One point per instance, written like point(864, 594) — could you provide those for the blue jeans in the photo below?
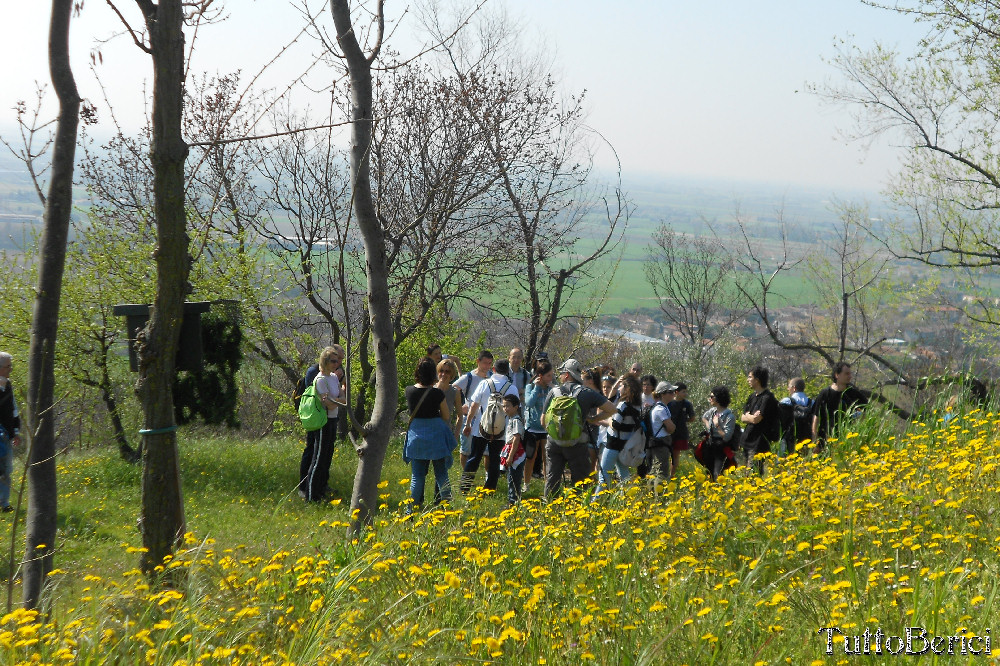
point(609, 461)
point(465, 444)
point(418, 476)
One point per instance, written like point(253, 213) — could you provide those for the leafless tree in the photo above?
point(694, 279)
point(558, 222)
point(852, 279)
point(359, 61)
point(939, 106)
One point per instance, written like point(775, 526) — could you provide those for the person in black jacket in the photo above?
point(10, 426)
point(833, 402)
point(761, 418)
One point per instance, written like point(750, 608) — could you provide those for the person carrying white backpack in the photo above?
point(486, 423)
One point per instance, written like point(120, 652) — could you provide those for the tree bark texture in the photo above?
point(162, 521)
point(371, 453)
point(42, 495)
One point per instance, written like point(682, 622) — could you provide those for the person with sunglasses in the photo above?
point(314, 467)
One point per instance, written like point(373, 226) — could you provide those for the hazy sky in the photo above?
point(708, 89)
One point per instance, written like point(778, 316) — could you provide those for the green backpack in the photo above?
point(312, 413)
point(563, 418)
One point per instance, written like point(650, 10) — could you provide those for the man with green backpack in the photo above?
point(566, 409)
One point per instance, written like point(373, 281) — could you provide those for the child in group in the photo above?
point(512, 456)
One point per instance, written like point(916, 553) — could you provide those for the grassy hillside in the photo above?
point(883, 535)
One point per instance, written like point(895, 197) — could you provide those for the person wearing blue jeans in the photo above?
point(623, 423)
point(418, 478)
point(429, 437)
point(10, 425)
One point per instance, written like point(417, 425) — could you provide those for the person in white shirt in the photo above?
point(500, 383)
point(467, 384)
point(518, 373)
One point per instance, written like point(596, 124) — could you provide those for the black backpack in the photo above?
point(300, 386)
point(802, 420)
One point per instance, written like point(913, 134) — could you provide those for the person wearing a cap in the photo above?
point(577, 457)
point(762, 419)
point(664, 461)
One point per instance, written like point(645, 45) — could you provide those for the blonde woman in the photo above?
point(314, 469)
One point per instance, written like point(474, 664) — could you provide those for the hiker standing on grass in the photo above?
point(447, 372)
point(10, 426)
point(626, 420)
point(720, 422)
point(518, 373)
point(483, 442)
point(575, 453)
point(314, 469)
point(833, 402)
point(797, 417)
point(467, 384)
point(682, 412)
point(513, 455)
point(592, 380)
point(648, 384)
point(429, 437)
point(314, 466)
point(534, 407)
point(664, 427)
point(762, 419)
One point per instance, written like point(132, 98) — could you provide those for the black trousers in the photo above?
point(479, 447)
point(314, 467)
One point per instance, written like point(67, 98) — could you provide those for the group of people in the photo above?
point(548, 420)
point(766, 421)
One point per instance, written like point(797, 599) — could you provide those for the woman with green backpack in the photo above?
point(314, 469)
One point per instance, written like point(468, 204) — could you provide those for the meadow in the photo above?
point(886, 533)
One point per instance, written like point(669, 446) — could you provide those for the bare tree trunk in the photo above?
point(162, 521)
point(42, 495)
point(371, 453)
